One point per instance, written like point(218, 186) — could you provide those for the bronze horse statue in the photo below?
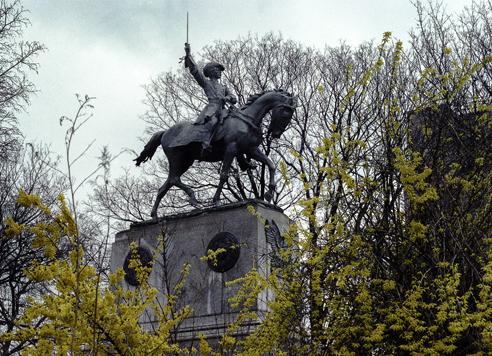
point(239, 135)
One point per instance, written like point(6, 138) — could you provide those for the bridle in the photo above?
point(249, 120)
point(274, 122)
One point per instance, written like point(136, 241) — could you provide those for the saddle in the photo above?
point(196, 133)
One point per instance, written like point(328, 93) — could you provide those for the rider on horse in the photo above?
point(217, 94)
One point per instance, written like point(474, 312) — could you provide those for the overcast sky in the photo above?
point(110, 48)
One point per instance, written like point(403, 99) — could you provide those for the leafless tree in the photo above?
point(16, 59)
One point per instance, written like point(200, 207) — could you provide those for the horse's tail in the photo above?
point(149, 148)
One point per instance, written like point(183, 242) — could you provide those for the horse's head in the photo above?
point(282, 115)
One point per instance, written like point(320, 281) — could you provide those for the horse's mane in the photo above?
point(252, 98)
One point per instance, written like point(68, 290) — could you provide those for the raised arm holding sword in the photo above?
point(217, 94)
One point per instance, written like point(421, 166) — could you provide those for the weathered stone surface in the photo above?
point(186, 238)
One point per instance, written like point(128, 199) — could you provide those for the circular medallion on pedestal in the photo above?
point(145, 258)
point(224, 260)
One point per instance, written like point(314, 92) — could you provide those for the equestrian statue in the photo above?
point(221, 132)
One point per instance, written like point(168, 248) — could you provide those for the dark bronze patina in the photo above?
point(220, 134)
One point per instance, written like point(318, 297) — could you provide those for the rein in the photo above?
point(249, 120)
point(242, 116)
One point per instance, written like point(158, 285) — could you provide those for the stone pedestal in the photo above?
point(186, 240)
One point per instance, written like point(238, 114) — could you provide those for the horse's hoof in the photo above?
point(194, 203)
point(268, 197)
point(153, 215)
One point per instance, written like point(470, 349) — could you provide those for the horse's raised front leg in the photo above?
point(259, 156)
point(224, 173)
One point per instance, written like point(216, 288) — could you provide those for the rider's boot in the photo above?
point(207, 142)
point(206, 147)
